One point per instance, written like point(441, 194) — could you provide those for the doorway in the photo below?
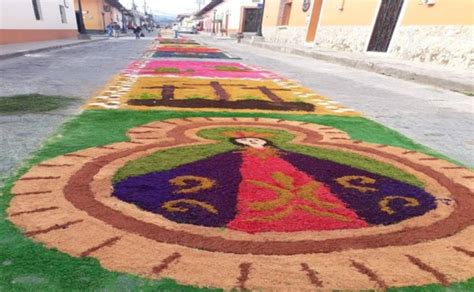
point(314, 22)
point(385, 25)
point(251, 19)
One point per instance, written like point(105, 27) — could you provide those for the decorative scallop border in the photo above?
point(53, 205)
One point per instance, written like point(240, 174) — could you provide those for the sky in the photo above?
point(169, 7)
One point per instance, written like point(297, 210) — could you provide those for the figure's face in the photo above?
point(252, 142)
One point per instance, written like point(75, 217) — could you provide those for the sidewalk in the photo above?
point(447, 78)
point(21, 49)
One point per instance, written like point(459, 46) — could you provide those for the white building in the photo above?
point(36, 20)
point(229, 17)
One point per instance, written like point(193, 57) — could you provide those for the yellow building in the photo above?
point(97, 14)
point(436, 31)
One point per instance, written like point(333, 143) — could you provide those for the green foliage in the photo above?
point(230, 68)
point(467, 286)
point(98, 128)
point(248, 97)
point(357, 161)
point(33, 103)
point(168, 159)
point(167, 70)
point(147, 95)
point(194, 96)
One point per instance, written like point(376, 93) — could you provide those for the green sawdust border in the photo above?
point(29, 266)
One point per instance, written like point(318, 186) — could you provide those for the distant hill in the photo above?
point(164, 20)
point(164, 17)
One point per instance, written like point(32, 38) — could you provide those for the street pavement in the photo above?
point(76, 72)
point(454, 79)
point(437, 118)
point(15, 50)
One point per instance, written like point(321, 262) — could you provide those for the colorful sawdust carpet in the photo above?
point(226, 70)
point(194, 55)
point(181, 41)
point(134, 91)
point(189, 49)
point(239, 198)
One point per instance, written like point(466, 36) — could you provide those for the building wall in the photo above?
point(270, 16)
point(232, 8)
point(444, 12)
point(290, 35)
point(18, 23)
point(116, 16)
point(349, 12)
point(297, 16)
point(92, 15)
point(208, 21)
point(440, 34)
point(293, 33)
point(346, 26)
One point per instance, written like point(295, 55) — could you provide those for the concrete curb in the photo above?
point(45, 49)
point(384, 69)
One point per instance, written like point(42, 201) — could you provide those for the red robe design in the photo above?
point(275, 196)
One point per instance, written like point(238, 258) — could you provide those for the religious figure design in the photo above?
point(261, 188)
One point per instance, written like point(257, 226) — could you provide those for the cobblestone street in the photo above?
point(73, 72)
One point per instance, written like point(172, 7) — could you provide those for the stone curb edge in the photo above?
point(45, 49)
point(373, 67)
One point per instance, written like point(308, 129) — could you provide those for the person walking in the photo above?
point(175, 29)
point(110, 29)
point(137, 31)
point(116, 29)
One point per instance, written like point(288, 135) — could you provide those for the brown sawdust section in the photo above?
point(78, 193)
point(102, 189)
point(443, 279)
point(371, 274)
point(251, 281)
point(311, 276)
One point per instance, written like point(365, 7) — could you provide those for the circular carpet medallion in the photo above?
point(255, 203)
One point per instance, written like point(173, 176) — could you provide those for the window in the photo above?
point(37, 9)
point(285, 11)
point(62, 11)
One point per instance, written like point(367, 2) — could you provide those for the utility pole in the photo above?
point(260, 25)
point(200, 3)
point(214, 22)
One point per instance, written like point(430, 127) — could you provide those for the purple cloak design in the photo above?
point(151, 191)
point(366, 205)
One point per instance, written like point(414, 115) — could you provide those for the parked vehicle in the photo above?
point(187, 29)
